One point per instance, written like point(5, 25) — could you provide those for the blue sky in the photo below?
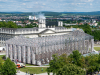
point(49, 5)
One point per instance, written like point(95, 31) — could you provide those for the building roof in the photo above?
point(19, 29)
point(49, 40)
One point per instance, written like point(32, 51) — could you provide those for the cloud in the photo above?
point(3, 0)
point(49, 5)
point(43, 4)
point(90, 3)
point(87, 0)
point(23, 3)
point(36, 2)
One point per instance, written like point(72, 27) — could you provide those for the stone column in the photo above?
point(87, 46)
point(7, 51)
point(83, 46)
point(15, 52)
point(24, 54)
point(33, 58)
point(11, 52)
point(92, 44)
point(79, 46)
point(1, 39)
point(71, 46)
point(68, 47)
point(75, 45)
point(19, 53)
point(28, 55)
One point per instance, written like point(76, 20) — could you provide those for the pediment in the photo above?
point(47, 31)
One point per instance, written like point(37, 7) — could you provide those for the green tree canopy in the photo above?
point(75, 56)
point(8, 24)
point(57, 63)
point(71, 69)
point(8, 68)
point(1, 63)
point(11, 24)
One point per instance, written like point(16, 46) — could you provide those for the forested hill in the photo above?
point(83, 13)
point(50, 13)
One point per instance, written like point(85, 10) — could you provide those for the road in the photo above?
point(2, 53)
point(36, 66)
point(96, 46)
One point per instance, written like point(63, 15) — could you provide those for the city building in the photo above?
point(43, 29)
point(37, 45)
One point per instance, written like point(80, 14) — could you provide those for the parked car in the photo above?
point(20, 65)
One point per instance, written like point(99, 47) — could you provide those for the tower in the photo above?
point(60, 23)
point(42, 23)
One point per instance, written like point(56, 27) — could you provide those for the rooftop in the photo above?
point(49, 40)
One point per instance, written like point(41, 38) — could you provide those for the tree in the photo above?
point(10, 24)
point(57, 63)
point(8, 68)
point(75, 56)
point(1, 63)
point(98, 23)
point(54, 64)
point(71, 69)
point(19, 26)
point(81, 62)
point(93, 64)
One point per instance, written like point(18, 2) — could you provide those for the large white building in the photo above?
point(40, 31)
point(37, 45)
point(40, 50)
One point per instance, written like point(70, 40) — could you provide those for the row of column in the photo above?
point(23, 54)
point(32, 55)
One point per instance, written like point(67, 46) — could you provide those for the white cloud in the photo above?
point(23, 3)
point(36, 2)
point(76, 3)
point(7, 0)
point(87, 0)
point(49, 5)
point(44, 4)
point(4, 0)
point(90, 3)
point(29, 7)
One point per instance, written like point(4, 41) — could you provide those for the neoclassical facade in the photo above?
point(41, 30)
point(40, 50)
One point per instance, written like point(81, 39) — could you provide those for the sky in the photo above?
point(49, 5)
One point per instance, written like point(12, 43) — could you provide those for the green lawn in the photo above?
point(97, 48)
point(2, 56)
point(32, 70)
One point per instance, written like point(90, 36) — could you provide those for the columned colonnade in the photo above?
point(43, 54)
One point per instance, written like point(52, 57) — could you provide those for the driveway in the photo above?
point(2, 53)
point(36, 66)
